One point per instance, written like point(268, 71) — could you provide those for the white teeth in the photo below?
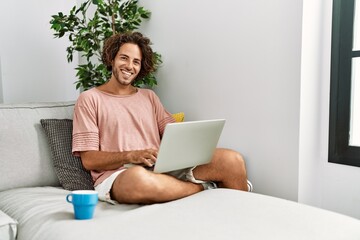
point(127, 73)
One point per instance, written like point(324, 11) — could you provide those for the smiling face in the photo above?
point(127, 64)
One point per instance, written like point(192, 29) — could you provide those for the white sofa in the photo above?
point(33, 205)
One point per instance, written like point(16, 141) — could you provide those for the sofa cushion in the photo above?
point(8, 227)
point(68, 168)
point(25, 156)
point(179, 117)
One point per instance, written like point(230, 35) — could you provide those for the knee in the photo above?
point(139, 180)
point(228, 160)
point(235, 161)
point(239, 159)
point(135, 185)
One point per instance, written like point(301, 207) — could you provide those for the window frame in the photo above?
point(340, 85)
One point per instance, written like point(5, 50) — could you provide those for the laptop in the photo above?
point(188, 144)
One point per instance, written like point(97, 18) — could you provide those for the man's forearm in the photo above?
point(100, 160)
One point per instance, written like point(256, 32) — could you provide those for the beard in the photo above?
point(120, 78)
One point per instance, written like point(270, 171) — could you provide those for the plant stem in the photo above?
point(112, 18)
point(113, 23)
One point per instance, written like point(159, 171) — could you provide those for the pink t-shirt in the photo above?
point(113, 123)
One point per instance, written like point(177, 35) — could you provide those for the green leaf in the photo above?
point(61, 34)
point(79, 49)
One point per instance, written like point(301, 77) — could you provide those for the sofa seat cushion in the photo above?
point(8, 227)
point(44, 214)
point(68, 168)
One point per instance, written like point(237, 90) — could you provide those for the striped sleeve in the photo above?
point(85, 128)
point(85, 142)
point(162, 115)
point(163, 122)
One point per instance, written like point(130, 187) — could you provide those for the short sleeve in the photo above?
point(162, 115)
point(85, 127)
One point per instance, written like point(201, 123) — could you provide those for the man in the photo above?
point(117, 123)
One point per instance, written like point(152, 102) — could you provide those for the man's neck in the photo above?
point(113, 87)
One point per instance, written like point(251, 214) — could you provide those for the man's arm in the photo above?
point(100, 160)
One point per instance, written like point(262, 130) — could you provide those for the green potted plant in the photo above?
point(87, 34)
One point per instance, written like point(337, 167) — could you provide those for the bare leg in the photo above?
point(138, 185)
point(227, 168)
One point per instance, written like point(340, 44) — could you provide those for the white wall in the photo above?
point(327, 185)
point(1, 89)
point(238, 60)
point(33, 63)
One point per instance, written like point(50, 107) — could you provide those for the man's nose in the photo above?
point(129, 64)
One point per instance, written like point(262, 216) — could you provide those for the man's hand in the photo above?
point(145, 157)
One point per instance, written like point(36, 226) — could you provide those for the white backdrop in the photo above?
point(33, 63)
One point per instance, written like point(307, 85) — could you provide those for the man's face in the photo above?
point(127, 63)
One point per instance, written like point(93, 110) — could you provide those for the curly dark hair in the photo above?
point(113, 44)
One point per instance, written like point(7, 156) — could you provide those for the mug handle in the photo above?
point(68, 198)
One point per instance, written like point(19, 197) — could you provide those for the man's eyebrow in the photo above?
point(123, 54)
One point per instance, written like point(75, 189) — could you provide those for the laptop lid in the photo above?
point(188, 144)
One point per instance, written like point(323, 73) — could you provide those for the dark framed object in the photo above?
point(342, 54)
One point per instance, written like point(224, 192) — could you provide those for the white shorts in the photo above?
point(104, 188)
